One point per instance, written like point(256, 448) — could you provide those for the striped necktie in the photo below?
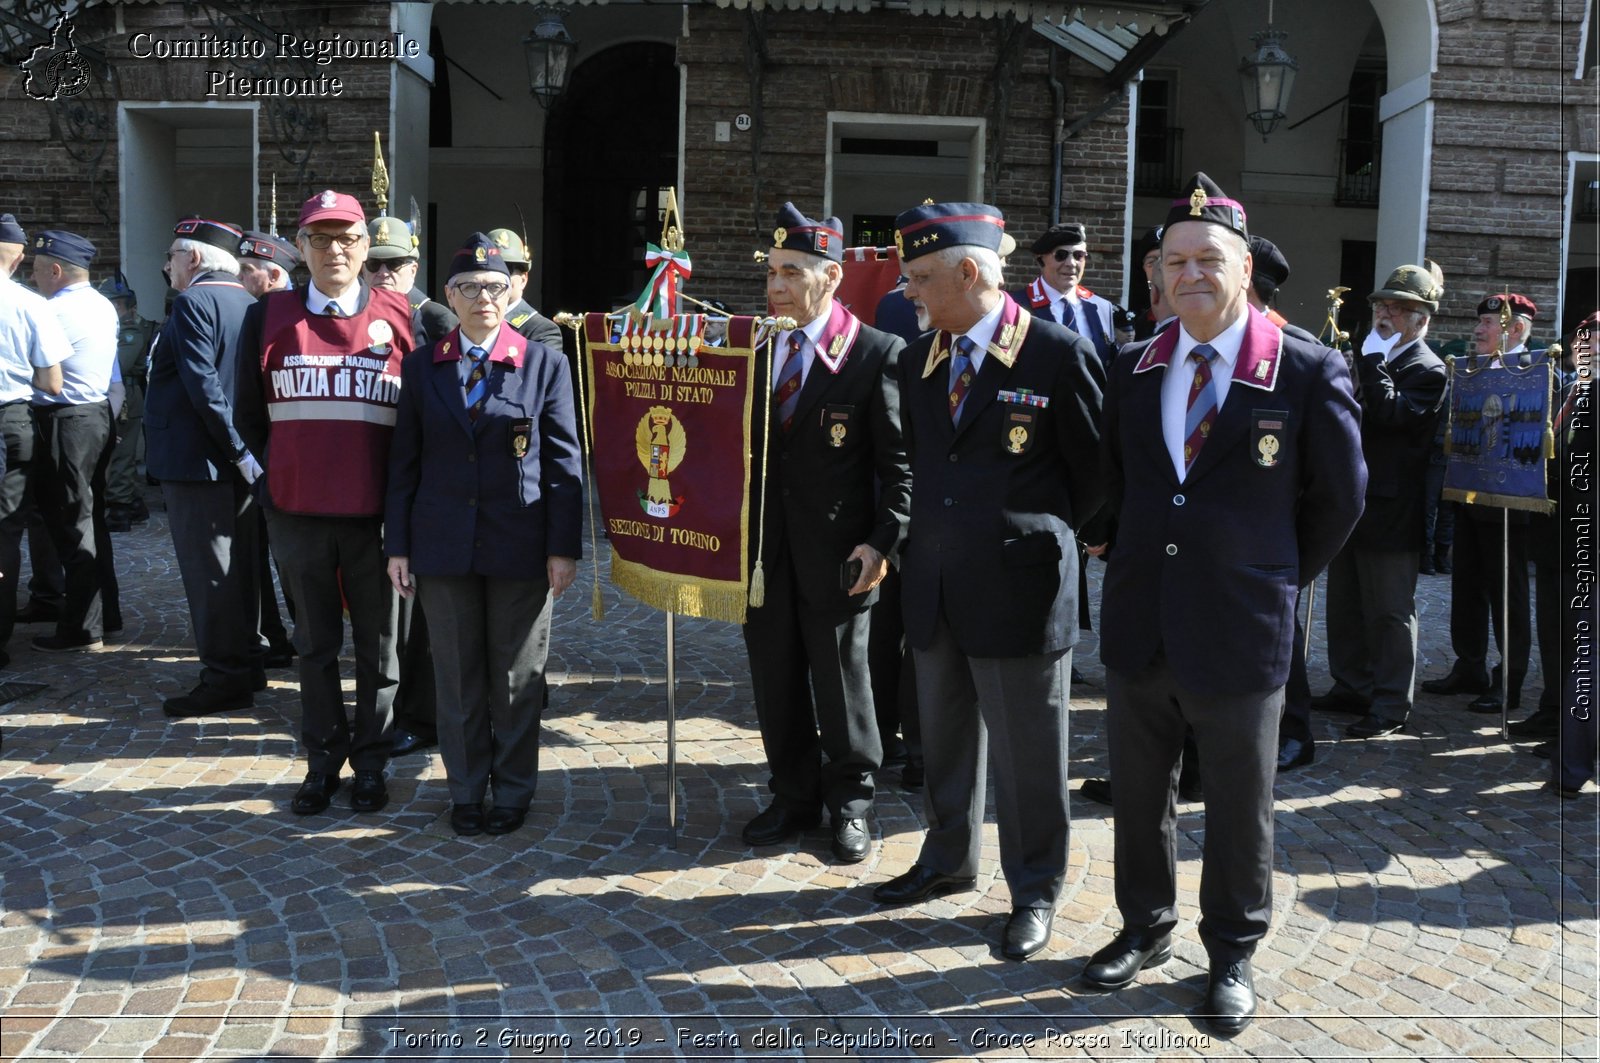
point(960, 377)
point(1202, 410)
point(787, 392)
point(332, 310)
point(477, 382)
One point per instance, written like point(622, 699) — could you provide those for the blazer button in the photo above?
point(955, 457)
point(949, 501)
point(1177, 500)
point(472, 457)
point(1172, 549)
point(472, 501)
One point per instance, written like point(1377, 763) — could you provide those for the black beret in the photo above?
point(1270, 264)
point(218, 234)
point(268, 248)
point(1067, 235)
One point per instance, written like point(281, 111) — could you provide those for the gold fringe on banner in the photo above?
point(685, 595)
point(1485, 498)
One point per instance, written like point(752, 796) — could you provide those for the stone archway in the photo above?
point(1411, 39)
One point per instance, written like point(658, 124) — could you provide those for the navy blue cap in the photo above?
point(1270, 264)
point(1068, 235)
point(796, 232)
point(68, 247)
point(1207, 202)
point(936, 226)
point(10, 231)
point(477, 255)
point(218, 234)
point(265, 247)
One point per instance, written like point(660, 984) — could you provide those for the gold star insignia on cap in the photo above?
point(1197, 200)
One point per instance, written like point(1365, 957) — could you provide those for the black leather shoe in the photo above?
point(913, 776)
point(59, 644)
point(1456, 683)
point(1441, 562)
point(1230, 997)
point(206, 699)
point(1097, 790)
point(278, 655)
point(1077, 676)
point(1189, 788)
point(1130, 952)
point(410, 742)
point(369, 794)
point(1337, 700)
point(504, 820)
point(1027, 931)
point(1293, 753)
point(314, 793)
point(851, 840)
point(1375, 727)
point(1544, 750)
point(1542, 724)
point(1425, 566)
point(1487, 704)
point(779, 822)
point(921, 884)
point(38, 613)
point(467, 820)
point(1563, 792)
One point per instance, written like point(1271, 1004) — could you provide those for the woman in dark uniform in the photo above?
point(483, 522)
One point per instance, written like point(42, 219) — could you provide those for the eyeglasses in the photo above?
point(393, 265)
point(323, 241)
point(472, 289)
point(174, 251)
point(1061, 254)
point(1391, 309)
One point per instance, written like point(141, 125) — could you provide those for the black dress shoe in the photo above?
point(1441, 562)
point(1027, 931)
point(779, 822)
point(1457, 683)
point(1375, 727)
point(1077, 676)
point(1337, 700)
point(1097, 790)
point(913, 775)
point(206, 699)
point(1293, 753)
point(64, 644)
point(1544, 750)
point(278, 655)
point(851, 840)
point(1189, 788)
point(1230, 997)
point(467, 820)
point(38, 613)
point(1487, 704)
point(504, 820)
point(314, 793)
point(1130, 952)
point(1425, 566)
point(1564, 792)
point(921, 884)
point(410, 742)
point(370, 793)
point(1542, 724)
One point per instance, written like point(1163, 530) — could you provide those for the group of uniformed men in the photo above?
point(1034, 432)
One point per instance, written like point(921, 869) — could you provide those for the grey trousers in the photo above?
point(317, 558)
point(1014, 708)
point(214, 535)
point(1237, 736)
point(491, 639)
point(1372, 628)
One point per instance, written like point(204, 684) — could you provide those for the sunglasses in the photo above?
point(1061, 254)
point(393, 265)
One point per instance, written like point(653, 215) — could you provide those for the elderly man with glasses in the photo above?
point(1058, 292)
point(321, 413)
point(392, 264)
point(1372, 581)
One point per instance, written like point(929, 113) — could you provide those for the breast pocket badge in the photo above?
point(836, 421)
point(1019, 426)
point(521, 436)
point(1267, 435)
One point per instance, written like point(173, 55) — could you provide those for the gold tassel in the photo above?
point(1549, 442)
point(597, 605)
point(758, 587)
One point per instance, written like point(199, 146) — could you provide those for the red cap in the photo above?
point(331, 206)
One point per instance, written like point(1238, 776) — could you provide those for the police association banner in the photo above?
point(1499, 437)
point(669, 416)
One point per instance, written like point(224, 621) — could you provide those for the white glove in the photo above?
point(249, 468)
point(1376, 344)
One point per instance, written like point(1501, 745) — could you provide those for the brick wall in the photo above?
point(881, 62)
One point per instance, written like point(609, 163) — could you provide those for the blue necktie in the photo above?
point(788, 390)
point(961, 375)
point(1202, 411)
point(477, 382)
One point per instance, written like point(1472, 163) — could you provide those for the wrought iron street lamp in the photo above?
point(1268, 78)
point(549, 49)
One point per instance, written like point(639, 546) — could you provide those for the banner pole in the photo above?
point(1505, 625)
point(672, 740)
point(1311, 608)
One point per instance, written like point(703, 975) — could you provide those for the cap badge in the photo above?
point(479, 255)
point(1197, 200)
point(822, 241)
point(504, 239)
point(383, 232)
point(779, 235)
point(899, 243)
point(328, 199)
point(38, 241)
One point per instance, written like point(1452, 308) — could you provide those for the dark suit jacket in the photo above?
point(1400, 404)
point(1208, 570)
point(991, 541)
point(822, 500)
point(534, 325)
point(431, 320)
point(495, 496)
point(193, 387)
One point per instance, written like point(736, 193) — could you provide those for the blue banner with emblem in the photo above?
point(1499, 436)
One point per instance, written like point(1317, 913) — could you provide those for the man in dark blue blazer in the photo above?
point(1235, 474)
point(193, 448)
point(1001, 426)
point(833, 509)
point(1372, 583)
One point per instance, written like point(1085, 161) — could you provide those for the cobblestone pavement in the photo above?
point(159, 901)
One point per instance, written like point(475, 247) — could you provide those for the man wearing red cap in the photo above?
point(1234, 454)
point(321, 410)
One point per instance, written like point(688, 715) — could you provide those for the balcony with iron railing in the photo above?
point(1358, 173)
point(1157, 161)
